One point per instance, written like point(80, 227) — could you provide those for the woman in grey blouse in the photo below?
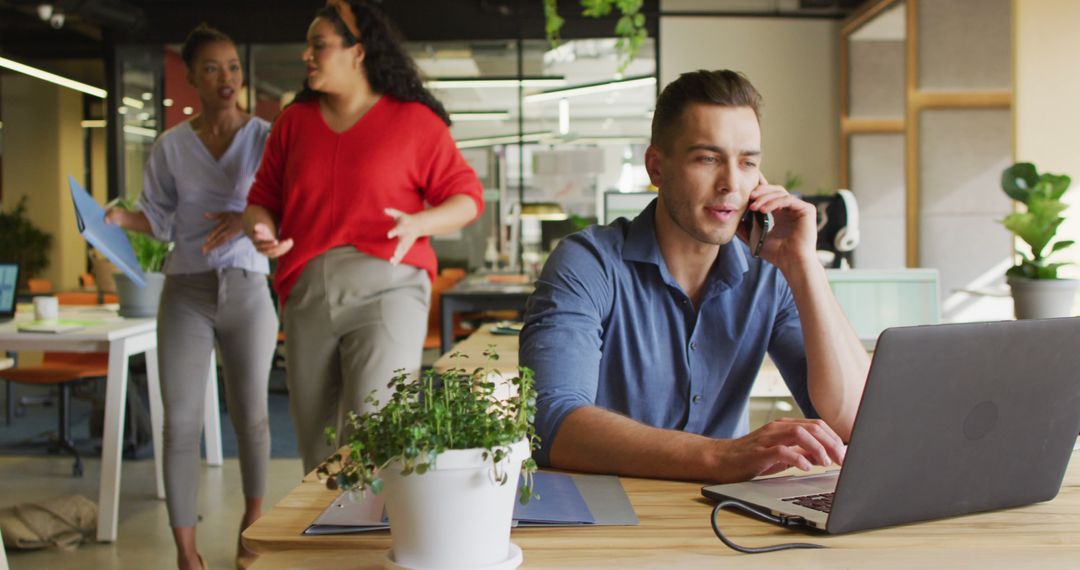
point(194, 191)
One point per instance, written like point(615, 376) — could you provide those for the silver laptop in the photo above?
point(9, 282)
point(954, 419)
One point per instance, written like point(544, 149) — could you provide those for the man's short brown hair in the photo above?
point(720, 87)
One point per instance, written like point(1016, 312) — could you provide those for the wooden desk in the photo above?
point(769, 382)
point(122, 339)
point(675, 533)
point(475, 293)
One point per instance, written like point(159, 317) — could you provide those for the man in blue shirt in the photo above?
point(646, 336)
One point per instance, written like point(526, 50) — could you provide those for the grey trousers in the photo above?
point(231, 307)
point(351, 320)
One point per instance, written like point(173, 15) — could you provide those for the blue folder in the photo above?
point(561, 503)
point(110, 240)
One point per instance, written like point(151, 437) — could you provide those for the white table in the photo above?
point(122, 339)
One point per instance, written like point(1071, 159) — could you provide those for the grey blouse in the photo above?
point(183, 182)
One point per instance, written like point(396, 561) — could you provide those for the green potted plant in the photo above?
point(1037, 290)
point(23, 242)
point(445, 452)
point(136, 301)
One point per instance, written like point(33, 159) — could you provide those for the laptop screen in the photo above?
point(9, 281)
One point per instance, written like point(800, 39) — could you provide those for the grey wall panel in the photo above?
point(965, 44)
point(961, 156)
point(877, 179)
point(876, 79)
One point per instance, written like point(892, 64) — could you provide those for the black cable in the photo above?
point(780, 520)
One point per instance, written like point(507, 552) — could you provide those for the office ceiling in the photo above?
point(87, 23)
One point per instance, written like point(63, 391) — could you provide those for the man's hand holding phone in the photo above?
point(790, 235)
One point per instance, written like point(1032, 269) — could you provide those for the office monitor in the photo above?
point(625, 204)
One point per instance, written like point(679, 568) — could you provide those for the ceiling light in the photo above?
point(53, 78)
point(471, 116)
point(167, 102)
point(188, 110)
point(479, 82)
point(504, 139)
point(591, 88)
point(93, 124)
point(133, 102)
point(140, 131)
point(564, 116)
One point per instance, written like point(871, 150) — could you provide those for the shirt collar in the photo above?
point(641, 245)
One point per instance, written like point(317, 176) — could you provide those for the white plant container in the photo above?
point(1043, 298)
point(457, 514)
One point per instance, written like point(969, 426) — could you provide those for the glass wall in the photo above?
point(539, 125)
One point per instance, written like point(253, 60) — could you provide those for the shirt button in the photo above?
point(696, 399)
point(693, 346)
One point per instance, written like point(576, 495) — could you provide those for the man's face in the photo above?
point(707, 170)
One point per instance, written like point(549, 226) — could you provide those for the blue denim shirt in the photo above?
point(608, 326)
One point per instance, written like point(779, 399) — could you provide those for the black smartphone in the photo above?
point(758, 225)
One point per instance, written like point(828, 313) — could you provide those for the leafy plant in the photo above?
point(1041, 194)
point(23, 242)
point(630, 28)
point(150, 252)
point(455, 409)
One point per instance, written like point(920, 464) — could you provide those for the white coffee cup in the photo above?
point(46, 308)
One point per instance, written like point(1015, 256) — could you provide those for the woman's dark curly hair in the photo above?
point(389, 69)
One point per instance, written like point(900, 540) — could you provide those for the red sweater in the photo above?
point(327, 189)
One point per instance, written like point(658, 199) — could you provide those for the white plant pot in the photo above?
point(139, 302)
point(1043, 298)
point(456, 515)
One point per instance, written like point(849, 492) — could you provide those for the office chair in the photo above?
point(64, 370)
point(838, 228)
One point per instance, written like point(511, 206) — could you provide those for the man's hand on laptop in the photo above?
point(779, 445)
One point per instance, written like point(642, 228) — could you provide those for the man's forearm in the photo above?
point(596, 440)
point(837, 363)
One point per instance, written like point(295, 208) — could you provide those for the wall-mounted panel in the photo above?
point(876, 79)
point(964, 45)
point(961, 156)
point(877, 180)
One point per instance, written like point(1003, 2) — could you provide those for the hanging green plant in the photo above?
point(630, 27)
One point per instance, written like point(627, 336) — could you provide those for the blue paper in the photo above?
point(560, 502)
point(110, 240)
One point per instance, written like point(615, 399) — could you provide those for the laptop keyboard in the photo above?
point(819, 502)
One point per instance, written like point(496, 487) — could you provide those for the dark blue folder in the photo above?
point(110, 240)
point(560, 504)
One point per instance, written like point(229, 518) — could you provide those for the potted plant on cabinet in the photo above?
point(136, 301)
point(1037, 290)
point(23, 242)
point(445, 451)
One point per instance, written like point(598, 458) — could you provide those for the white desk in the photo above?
point(122, 339)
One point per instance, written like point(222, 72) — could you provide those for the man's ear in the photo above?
point(654, 160)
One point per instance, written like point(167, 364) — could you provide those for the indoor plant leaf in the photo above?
point(1018, 180)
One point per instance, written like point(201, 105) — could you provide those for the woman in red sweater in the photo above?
point(358, 171)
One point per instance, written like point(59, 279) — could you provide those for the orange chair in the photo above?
point(446, 279)
point(39, 285)
point(86, 298)
point(64, 369)
point(87, 281)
